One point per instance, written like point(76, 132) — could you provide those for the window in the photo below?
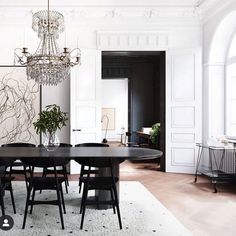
point(230, 90)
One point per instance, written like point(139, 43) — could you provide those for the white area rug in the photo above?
point(142, 214)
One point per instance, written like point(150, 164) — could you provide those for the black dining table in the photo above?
point(127, 153)
point(123, 153)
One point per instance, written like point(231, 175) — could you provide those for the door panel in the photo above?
point(86, 101)
point(183, 109)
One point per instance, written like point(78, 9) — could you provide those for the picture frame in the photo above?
point(20, 104)
point(108, 119)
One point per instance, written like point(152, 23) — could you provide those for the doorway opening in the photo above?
point(114, 103)
point(145, 73)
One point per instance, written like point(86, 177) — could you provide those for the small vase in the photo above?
point(51, 141)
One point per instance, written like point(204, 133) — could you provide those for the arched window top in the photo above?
point(232, 48)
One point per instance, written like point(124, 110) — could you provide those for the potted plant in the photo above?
point(154, 133)
point(49, 121)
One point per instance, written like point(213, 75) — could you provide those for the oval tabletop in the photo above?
point(81, 152)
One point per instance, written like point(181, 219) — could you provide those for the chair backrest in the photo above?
point(92, 145)
point(18, 145)
point(6, 161)
point(61, 145)
point(42, 162)
point(100, 162)
point(59, 161)
point(65, 145)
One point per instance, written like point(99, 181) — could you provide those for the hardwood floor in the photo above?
point(193, 204)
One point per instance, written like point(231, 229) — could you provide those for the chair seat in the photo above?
point(50, 171)
point(103, 183)
point(94, 172)
point(105, 180)
point(50, 181)
point(6, 182)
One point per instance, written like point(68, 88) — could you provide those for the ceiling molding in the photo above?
point(151, 13)
point(208, 8)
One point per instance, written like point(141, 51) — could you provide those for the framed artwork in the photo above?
point(108, 118)
point(20, 103)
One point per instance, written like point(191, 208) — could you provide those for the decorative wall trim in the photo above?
point(182, 156)
point(178, 120)
point(116, 9)
point(145, 40)
point(183, 137)
point(183, 87)
point(109, 12)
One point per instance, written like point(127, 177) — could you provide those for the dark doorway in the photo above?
point(146, 74)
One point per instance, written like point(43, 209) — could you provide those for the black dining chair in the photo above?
point(5, 184)
point(14, 168)
point(83, 170)
point(104, 183)
point(61, 170)
point(44, 183)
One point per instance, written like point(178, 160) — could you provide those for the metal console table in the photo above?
point(220, 166)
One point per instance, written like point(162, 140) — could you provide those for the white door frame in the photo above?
point(159, 41)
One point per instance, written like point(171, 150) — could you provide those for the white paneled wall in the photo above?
point(121, 27)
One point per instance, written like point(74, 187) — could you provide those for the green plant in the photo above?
point(50, 120)
point(154, 133)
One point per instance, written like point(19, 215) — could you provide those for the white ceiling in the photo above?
point(162, 3)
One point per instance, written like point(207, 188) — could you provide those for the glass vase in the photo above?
point(51, 141)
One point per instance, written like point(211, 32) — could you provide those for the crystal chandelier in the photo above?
point(48, 65)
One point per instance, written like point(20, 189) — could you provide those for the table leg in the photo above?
point(105, 195)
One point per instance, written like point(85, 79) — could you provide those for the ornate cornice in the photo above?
point(129, 9)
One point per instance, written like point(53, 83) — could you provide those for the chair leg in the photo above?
point(65, 175)
point(84, 207)
point(82, 201)
point(12, 199)
point(32, 205)
point(66, 187)
point(43, 175)
point(112, 198)
point(59, 205)
point(62, 199)
point(81, 175)
point(26, 206)
point(117, 205)
point(2, 203)
point(25, 174)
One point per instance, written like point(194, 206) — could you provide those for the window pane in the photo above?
point(231, 100)
point(232, 49)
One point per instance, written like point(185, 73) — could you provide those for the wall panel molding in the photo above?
point(152, 40)
point(182, 156)
point(183, 117)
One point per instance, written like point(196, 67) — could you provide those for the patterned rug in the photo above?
point(142, 214)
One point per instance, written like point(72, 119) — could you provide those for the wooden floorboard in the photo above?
point(193, 204)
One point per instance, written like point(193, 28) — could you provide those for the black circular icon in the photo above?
point(6, 222)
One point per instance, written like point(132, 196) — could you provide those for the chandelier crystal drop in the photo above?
point(48, 65)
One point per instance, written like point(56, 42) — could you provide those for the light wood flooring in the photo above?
point(193, 204)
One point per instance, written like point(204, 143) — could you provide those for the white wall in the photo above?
point(151, 27)
point(83, 23)
point(115, 95)
point(218, 29)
